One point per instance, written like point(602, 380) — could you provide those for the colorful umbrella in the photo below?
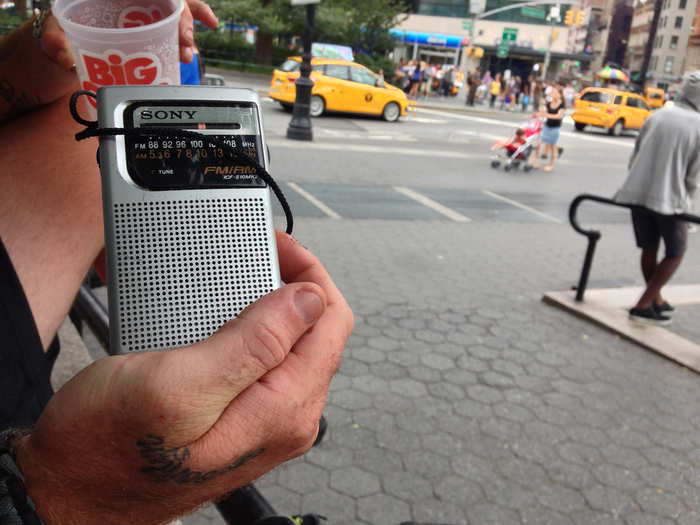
point(609, 73)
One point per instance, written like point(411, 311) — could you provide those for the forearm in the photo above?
point(64, 497)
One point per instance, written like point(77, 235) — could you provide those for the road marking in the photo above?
point(369, 135)
point(365, 148)
point(423, 120)
point(313, 200)
point(479, 135)
point(430, 203)
point(577, 135)
point(521, 206)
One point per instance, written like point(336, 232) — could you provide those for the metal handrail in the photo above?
point(594, 235)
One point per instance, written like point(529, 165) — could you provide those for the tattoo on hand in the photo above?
point(168, 464)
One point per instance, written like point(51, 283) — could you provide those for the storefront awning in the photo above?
point(429, 39)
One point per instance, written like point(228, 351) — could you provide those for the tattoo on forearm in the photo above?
point(18, 100)
point(168, 464)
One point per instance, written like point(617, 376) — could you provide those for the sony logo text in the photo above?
point(161, 114)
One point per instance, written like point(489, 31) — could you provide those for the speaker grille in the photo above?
point(184, 268)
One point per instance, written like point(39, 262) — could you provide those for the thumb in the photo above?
point(55, 44)
point(208, 375)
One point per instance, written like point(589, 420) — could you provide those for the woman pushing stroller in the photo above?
point(517, 148)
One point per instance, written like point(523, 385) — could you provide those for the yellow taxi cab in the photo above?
point(340, 85)
point(611, 109)
point(654, 97)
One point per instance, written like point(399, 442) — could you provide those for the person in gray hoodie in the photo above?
point(662, 180)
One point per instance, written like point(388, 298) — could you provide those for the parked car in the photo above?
point(340, 85)
point(611, 109)
point(654, 97)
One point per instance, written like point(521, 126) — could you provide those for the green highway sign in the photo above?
point(509, 34)
point(533, 12)
point(467, 25)
point(502, 50)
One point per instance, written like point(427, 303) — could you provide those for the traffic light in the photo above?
point(580, 15)
point(569, 17)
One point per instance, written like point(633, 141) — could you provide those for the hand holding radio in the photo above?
point(144, 437)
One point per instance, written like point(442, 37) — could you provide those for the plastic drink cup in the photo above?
point(122, 41)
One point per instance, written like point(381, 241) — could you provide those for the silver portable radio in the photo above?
point(189, 235)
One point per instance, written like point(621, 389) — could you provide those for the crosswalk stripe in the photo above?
point(430, 203)
point(521, 206)
point(366, 148)
point(609, 141)
point(313, 200)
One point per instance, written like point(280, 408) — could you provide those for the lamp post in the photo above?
point(648, 48)
point(300, 126)
point(554, 16)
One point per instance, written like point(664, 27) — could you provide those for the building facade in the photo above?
point(671, 42)
point(692, 55)
point(619, 33)
point(584, 38)
point(434, 22)
point(639, 34)
point(600, 33)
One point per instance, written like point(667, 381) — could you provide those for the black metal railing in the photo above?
point(594, 235)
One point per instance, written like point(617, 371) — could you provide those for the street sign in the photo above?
point(533, 12)
point(510, 34)
point(502, 51)
point(467, 25)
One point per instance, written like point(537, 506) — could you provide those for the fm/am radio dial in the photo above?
point(170, 163)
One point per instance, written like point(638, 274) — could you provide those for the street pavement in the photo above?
point(462, 398)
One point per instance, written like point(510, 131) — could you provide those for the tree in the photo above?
point(361, 24)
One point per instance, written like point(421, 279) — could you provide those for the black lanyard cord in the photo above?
point(92, 130)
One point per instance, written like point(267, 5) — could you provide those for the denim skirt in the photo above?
point(550, 135)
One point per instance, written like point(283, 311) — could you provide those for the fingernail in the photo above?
point(308, 305)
